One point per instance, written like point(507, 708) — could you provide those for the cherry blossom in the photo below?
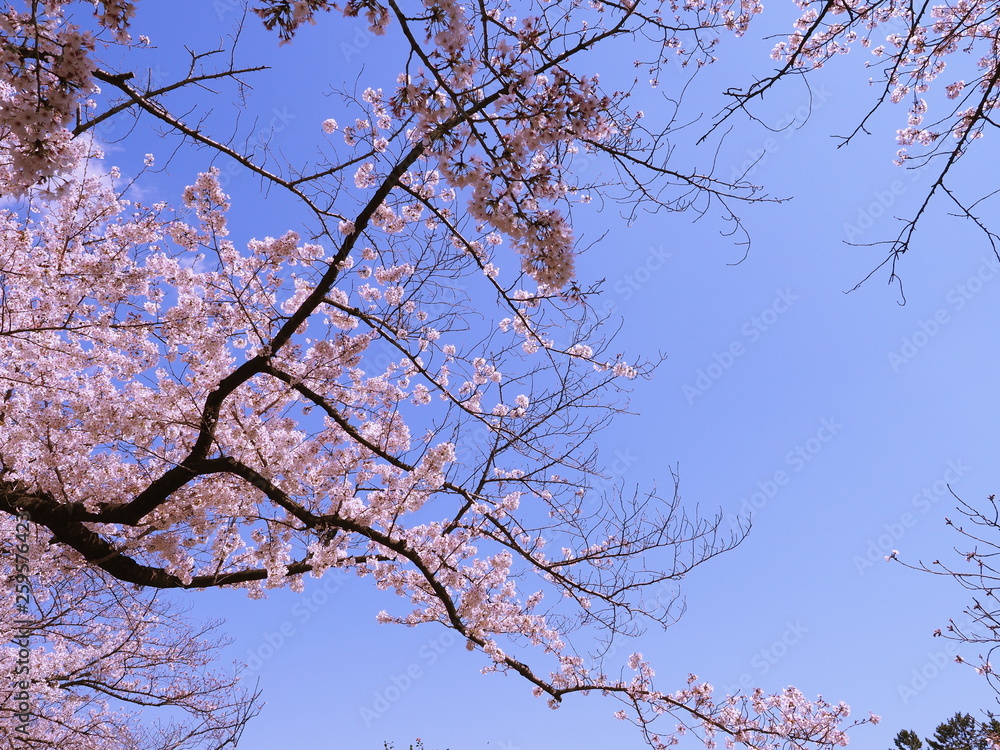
point(185, 406)
point(941, 61)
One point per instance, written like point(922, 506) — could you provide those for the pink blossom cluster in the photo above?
point(47, 69)
point(912, 56)
point(48, 66)
point(758, 720)
point(90, 652)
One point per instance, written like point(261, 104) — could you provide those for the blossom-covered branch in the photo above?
point(187, 407)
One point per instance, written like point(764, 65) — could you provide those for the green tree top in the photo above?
point(960, 732)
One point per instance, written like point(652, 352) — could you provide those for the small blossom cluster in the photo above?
point(48, 74)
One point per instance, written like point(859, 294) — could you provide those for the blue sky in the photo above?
point(839, 417)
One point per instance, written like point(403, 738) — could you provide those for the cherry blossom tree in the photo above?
point(92, 654)
point(976, 570)
point(941, 61)
point(410, 392)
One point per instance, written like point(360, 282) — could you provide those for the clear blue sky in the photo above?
point(844, 413)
